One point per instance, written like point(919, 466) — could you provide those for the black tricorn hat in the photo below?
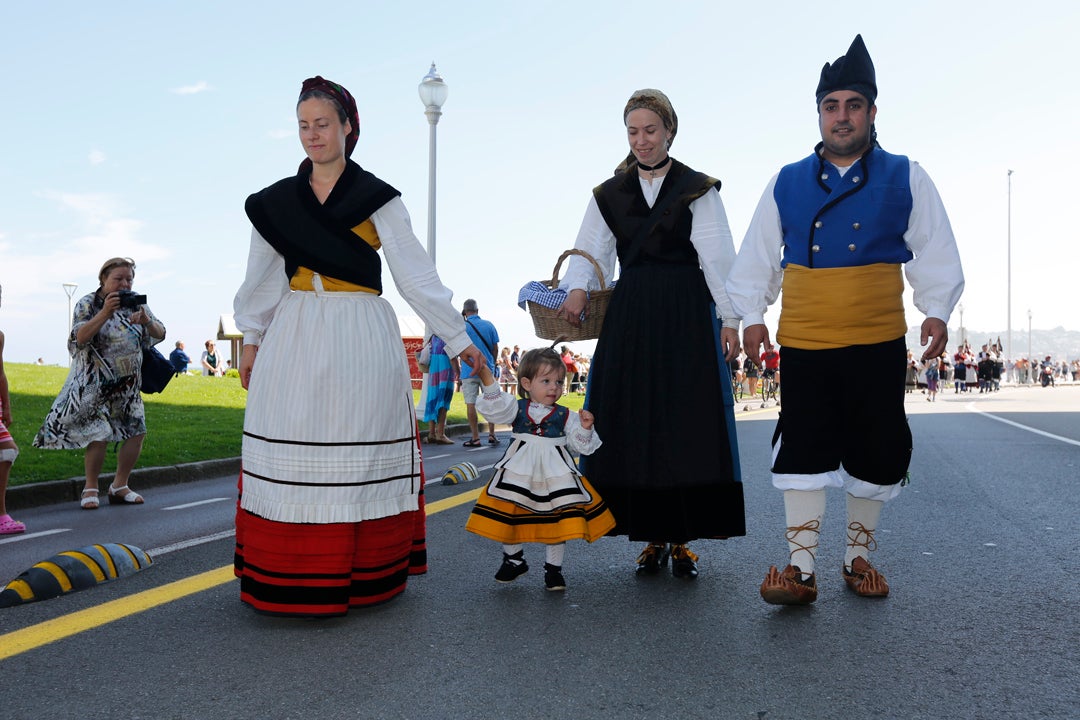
point(852, 71)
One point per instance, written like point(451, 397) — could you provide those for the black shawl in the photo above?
point(318, 235)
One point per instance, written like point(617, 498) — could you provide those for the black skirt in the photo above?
point(661, 393)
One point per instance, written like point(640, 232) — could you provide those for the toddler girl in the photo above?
point(537, 494)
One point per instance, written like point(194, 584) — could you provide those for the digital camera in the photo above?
point(131, 300)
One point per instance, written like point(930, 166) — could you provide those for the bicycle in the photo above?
point(769, 387)
point(737, 391)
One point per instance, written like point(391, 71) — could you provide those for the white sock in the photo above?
point(862, 517)
point(554, 554)
point(512, 550)
point(804, 509)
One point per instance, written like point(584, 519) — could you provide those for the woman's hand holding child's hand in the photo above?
point(586, 419)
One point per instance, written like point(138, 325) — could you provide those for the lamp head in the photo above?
point(433, 90)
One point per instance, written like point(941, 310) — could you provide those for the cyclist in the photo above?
point(770, 362)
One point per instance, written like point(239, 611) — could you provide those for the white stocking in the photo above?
point(862, 517)
point(804, 509)
point(554, 554)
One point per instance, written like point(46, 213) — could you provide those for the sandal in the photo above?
point(492, 440)
point(8, 526)
point(443, 441)
point(471, 443)
point(89, 502)
point(124, 495)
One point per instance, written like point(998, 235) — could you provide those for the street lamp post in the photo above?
point(69, 288)
point(433, 92)
point(963, 339)
point(1008, 272)
point(1029, 344)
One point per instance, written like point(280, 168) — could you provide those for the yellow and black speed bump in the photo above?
point(460, 473)
point(74, 570)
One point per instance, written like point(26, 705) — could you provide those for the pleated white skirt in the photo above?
point(329, 430)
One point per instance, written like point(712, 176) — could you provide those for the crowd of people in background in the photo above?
point(965, 370)
point(968, 370)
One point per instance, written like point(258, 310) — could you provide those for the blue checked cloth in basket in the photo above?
point(541, 294)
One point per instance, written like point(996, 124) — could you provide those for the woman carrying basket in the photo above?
point(668, 228)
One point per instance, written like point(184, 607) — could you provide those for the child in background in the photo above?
point(8, 452)
point(537, 494)
point(933, 374)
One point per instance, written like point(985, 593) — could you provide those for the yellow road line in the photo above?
point(35, 636)
point(452, 501)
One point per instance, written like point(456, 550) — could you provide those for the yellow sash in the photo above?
point(302, 278)
point(836, 307)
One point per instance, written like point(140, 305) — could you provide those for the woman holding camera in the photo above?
point(100, 401)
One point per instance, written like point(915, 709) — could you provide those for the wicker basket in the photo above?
point(549, 325)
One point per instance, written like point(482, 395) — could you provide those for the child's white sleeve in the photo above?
point(578, 439)
point(496, 406)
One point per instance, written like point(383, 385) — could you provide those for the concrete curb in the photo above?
point(59, 491)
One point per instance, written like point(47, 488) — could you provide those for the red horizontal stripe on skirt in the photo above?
point(309, 569)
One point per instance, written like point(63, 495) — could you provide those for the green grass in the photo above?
point(196, 418)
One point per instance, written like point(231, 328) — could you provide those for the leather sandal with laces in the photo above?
point(864, 580)
point(788, 587)
point(124, 495)
point(89, 499)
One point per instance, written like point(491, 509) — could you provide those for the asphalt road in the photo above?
point(980, 552)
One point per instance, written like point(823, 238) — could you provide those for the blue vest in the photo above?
point(829, 221)
point(552, 426)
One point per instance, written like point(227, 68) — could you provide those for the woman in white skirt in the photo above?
point(331, 511)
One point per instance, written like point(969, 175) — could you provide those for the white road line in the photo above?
point(972, 407)
point(30, 536)
point(195, 504)
point(183, 544)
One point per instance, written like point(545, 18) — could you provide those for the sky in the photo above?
point(138, 129)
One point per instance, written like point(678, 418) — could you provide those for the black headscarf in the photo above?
point(343, 98)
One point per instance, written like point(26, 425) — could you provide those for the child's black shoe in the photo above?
point(513, 567)
point(553, 578)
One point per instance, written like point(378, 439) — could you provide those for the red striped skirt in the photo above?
point(323, 570)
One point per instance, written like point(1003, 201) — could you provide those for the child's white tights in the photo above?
point(553, 554)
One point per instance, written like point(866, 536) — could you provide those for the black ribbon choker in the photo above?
point(657, 166)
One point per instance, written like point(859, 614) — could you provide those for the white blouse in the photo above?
point(415, 276)
point(709, 234)
point(502, 407)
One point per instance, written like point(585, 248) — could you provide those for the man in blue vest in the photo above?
point(837, 231)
